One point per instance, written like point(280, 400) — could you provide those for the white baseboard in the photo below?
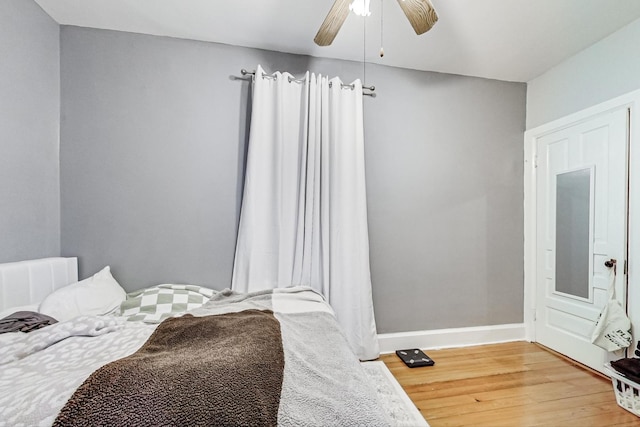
point(450, 338)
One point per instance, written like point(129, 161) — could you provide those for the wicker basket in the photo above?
point(627, 392)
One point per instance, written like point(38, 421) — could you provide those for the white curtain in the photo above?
point(304, 213)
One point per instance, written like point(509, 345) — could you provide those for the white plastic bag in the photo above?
point(613, 328)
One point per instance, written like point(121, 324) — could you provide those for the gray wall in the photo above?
point(444, 177)
point(599, 73)
point(29, 123)
point(153, 141)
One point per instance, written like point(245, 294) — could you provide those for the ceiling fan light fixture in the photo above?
point(420, 13)
point(360, 7)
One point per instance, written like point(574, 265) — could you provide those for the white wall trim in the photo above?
point(530, 231)
point(451, 338)
point(630, 100)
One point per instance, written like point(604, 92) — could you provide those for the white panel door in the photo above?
point(581, 223)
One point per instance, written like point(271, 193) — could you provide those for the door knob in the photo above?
point(610, 263)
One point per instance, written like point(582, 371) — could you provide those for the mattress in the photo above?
point(297, 371)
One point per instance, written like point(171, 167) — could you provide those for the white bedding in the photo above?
point(34, 388)
point(17, 346)
point(50, 366)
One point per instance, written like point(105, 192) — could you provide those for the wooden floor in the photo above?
point(512, 384)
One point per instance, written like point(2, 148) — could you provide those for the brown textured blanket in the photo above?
point(217, 370)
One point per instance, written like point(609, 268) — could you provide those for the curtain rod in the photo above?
point(371, 88)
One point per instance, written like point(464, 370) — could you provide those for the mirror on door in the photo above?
point(573, 203)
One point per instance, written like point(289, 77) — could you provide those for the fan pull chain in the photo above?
point(381, 27)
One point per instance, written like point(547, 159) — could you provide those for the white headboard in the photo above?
point(29, 282)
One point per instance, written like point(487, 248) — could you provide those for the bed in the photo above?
point(207, 358)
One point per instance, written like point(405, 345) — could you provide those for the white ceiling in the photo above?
point(513, 40)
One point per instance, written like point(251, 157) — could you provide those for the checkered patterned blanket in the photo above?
point(154, 304)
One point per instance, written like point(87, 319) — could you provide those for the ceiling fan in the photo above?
point(420, 14)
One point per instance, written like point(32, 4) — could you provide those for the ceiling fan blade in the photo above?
point(420, 14)
point(332, 23)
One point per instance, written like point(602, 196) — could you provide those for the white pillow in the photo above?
point(97, 295)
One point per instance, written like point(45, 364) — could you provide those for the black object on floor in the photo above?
point(414, 358)
point(628, 367)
